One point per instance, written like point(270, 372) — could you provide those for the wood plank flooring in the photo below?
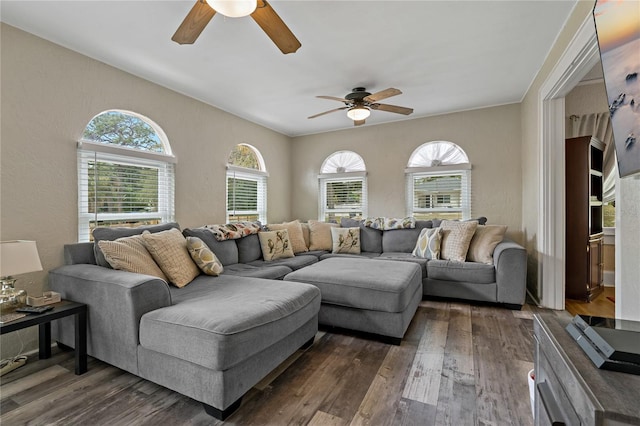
point(459, 364)
point(601, 306)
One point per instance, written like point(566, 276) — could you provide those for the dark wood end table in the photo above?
point(61, 309)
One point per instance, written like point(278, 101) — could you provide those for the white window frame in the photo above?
point(89, 151)
point(260, 177)
point(354, 211)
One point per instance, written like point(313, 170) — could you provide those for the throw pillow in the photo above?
point(206, 260)
point(456, 237)
point(130, 254)
point(484, 241)
point(295, 234)
point(320, 235)
point(346, 240)
point(113, 233)
point(275, 245)
point(169, 250)
point(428, 244)
point(233, 231)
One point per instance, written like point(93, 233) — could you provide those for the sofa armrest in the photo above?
point(510, 260)
point(116, 301)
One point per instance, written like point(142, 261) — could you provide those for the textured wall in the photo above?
point(489, 136)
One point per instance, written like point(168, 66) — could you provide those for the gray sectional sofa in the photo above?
point(215, 338)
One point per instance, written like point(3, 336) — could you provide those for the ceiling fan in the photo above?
point(261, 12)
point(359, 104)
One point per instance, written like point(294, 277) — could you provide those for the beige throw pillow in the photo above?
point(484, 241)
point(456, 237)
point(320, 235)
point(130, 254)
point(275, 244)
point(345, 240)
point(206, 260)
point(295, 234)
point(428, 244)
point(169, 250)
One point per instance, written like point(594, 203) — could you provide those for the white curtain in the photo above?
point(599, 126)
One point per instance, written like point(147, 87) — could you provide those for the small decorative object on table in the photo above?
point(47, 298)
point(16, 257)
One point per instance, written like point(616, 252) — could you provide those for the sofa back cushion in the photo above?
point(111, 234)
point(403, 240)
point(226, 251)
point(370, 238)
point(249, 249)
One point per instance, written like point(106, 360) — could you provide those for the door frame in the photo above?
point(580, 56)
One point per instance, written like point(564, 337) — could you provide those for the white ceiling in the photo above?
point(444, 56)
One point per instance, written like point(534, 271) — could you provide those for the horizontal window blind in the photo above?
point(121, 190)
point(439, 195)
point(246, 196)
point(342, 197)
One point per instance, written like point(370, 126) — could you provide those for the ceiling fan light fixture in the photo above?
point(358, 113)
point(234, 8)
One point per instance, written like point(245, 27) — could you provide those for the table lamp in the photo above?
point(16, 257)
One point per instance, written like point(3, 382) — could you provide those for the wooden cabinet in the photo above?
point(583, 203)
point(570, 390)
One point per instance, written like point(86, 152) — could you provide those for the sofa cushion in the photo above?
point(361, 283)
point(361, 255)
point(320, 235)
point(296, 262)
point(484, 241)
point(219, 326)
point(275, 245)
point(403, 240)
point(110, 234)
point(405, 257)
point(456, 237)
point(169, 250)
point(296, 235)
point(130, 254)
point(345, 240)
point(249, 248)
point(206, 260)
point(470, 272)
point(370, 238)
point(227, 251)
point(275, 272)
point(428, 244)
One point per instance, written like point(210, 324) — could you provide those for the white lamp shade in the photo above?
point(234, 8)
point(18, 257)
point(358, 113)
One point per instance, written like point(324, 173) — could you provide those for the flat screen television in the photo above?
point(618, 29)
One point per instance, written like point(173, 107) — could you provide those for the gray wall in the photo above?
point(489, 136)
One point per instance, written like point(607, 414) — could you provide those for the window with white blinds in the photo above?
point(122, 187)
point(344, 196)
point(438, 182)
point(342, 187)
point(246, 195)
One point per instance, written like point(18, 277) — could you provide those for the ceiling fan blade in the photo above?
point(392, 108)
point(193, 24)
point(383, 94)
point(275, 28)
point(327, 112)
point(358, 122)
point(333, 98)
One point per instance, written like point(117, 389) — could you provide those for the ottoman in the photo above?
point(378, 297)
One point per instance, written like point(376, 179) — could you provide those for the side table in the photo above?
point(62, 309)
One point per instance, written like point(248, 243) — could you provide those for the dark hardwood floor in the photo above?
point(459, 364)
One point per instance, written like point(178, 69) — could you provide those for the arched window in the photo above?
point(438, 182)
point(246, 185)
point(125, 173)
point(343, 186)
